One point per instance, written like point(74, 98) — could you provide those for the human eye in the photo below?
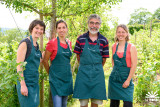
point(42, 29)
point(91, 23)
point(97, 23)
point(59, 28)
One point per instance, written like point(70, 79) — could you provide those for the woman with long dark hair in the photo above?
point(58, 50)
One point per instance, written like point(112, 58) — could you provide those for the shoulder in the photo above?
point(22, 46)
point(25, 41)
point(102, 39)
point(82, 37)
point(52, 41)
point(68, 40)
point(114, 45)
point(132, 47)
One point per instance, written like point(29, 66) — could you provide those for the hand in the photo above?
point(24, 90)
point(126, 84)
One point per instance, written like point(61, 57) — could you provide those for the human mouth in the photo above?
point(94, 28)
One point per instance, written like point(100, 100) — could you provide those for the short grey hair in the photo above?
point(94, 16)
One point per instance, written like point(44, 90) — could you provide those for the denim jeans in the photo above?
point(60, 101)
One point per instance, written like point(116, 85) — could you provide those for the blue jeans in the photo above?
point(60, 101)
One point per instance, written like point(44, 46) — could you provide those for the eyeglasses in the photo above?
point(94, 23)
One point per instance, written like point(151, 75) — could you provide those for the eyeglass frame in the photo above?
point(94, 23)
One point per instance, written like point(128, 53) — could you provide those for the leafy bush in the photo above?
point(8, 75)
point(148, 64)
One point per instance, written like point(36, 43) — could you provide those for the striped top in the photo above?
point(103, 47)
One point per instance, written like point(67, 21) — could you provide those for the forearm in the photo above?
point(132, 71)
point(78, 58)
point(46, 65)
point(103, 62)
point(20, 72)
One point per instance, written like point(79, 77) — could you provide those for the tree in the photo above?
point(51, 10)
point(140, 16)
point(54, 9)
point(12, 34)
point(156, 15)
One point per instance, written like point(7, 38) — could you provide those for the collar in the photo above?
point(87, 35)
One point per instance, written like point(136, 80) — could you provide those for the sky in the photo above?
point(122, 11)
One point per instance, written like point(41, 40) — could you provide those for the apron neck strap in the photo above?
point(31, 39)
point(65, 40)
point(117, 48)
point(124, 54)
point(125, 48)
point(58, 40)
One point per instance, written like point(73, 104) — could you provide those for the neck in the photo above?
point(122, 43)
point(34, 40)
point(93, 35)
point(62, 39)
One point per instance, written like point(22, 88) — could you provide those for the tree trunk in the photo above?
point(151, 29)
point(53, 21)
point(41, 71)
point(135, 38)
point(52, 35)
point(144, 26)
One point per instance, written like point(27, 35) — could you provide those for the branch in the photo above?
point(76, 13)
point(64, 9)
point(35, 10)
point(30, 7)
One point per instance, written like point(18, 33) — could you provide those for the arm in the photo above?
point(78, 57)
point(133, 66)
point(105, 51)
point(103, 62)
point(21, 53)
point(112, 56)
point(45, 60)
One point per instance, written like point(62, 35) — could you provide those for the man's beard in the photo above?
point(93, 32)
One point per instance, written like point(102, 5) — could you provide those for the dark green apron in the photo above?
point(90, 80)
point(60, 75)
point(31, 77)
point(117, 77)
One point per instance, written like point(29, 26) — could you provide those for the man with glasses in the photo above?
point(92, 50)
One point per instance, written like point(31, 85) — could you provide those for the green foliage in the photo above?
point(136, 27)
point(140, 16)
point(8, 75)
point(12, 34)
point(63, 7)
point(156, 14)
point(148, 68)
point(146, 75)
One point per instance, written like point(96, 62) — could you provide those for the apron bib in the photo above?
point(60, 75)
point(31, 77)
point(90, 80)
point(117, 77)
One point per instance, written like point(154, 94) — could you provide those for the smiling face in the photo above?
point(94, 25)
point(62, 29)
point(121, 34)
point(37, 31)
